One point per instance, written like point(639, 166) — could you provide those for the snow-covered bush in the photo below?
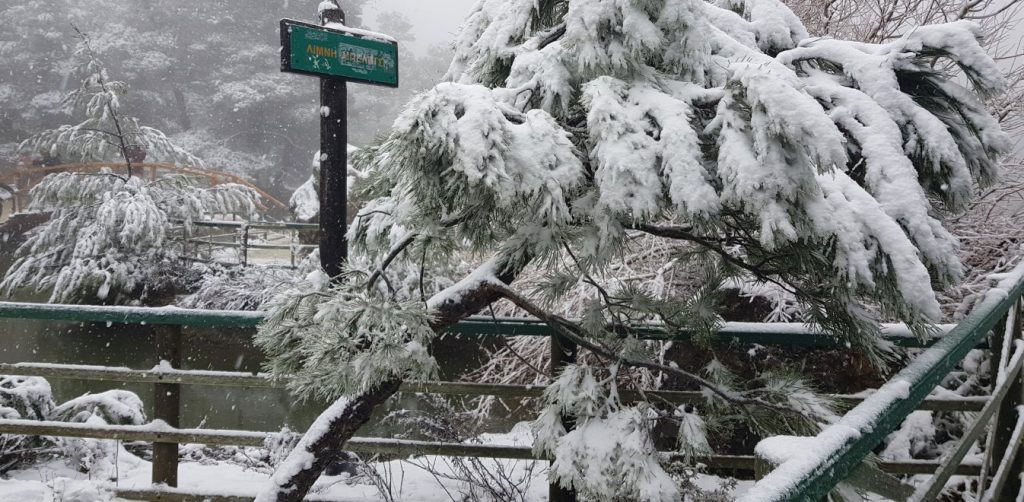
point(25, 397)
point(304, 202)
point(22, 398)
point(115, 407)
point(30, 398)
point(755, 153)
point(108, 237)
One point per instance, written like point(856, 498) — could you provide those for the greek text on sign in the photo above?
point(342, 53)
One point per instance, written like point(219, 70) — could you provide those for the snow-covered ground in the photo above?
point(54, 481)
point(416, 479)
point(407, 480)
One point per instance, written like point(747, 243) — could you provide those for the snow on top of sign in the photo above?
point(326, 5)
point(380, 37)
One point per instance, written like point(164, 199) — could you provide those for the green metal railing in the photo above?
point(846, 444)
point(840, 450)
point(788, 334)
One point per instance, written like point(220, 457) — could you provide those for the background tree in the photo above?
point(569, 127)
point(107, 131)
point(221, 95)
point(107, 238)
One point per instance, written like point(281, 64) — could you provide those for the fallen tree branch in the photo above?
point(336, 425)
point(571, 332)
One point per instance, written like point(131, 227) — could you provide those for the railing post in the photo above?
point(1006, 417)
point(562, 352)
point(291, 249)
point(245, 245)
point(762, 466)
point(166, 406)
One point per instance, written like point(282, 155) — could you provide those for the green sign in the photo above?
point(334, 53)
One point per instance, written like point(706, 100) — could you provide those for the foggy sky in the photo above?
point(434, 21)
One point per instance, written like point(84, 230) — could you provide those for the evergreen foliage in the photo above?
point(568, 127)
point(107, 239)
point(30, 398)
point(107, 131)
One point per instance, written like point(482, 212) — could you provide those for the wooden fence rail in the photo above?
point(241, 379)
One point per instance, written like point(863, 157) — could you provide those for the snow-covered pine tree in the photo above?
point(107, 131)
point(567, 127)
point(107, 238)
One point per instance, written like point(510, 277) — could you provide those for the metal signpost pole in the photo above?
point(333, 165)
point(336, 55)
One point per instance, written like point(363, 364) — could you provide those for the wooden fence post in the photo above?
point(245, 245)
point(562, 352)
point(166, 406)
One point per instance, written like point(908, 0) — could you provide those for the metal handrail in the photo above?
point(789, 334)
point(842, 447)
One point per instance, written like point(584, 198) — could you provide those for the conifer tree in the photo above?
point(107, 131)
point(567, 127)
point(107, 239)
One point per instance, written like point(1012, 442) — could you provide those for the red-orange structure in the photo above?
point(21, 179)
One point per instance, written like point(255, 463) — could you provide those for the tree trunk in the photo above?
point(179, 102)
point(14, 231)
point(296, 475)
point(336, 425)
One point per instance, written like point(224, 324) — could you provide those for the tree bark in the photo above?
point(14, 231)
point(295, 477)
point(182, 107)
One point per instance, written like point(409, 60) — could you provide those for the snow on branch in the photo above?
point(751, 152)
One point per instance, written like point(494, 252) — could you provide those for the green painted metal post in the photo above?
point(884, 411)
point(167, 406)
point(1006, 417)
point(562, 352)
point(996, 341)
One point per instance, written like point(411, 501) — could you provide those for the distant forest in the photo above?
point(206, 73)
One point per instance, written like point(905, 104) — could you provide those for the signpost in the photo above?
point(337, 55)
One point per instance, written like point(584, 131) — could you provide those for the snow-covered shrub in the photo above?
point(246, 288)
point(22, 398)
point(304, 202)
point(108, 237)
point(25, 397)
point(115, 407)
point(88, 455)
point(30, 398)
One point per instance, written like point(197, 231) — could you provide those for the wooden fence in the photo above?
point(209, 237)
point(841, 458)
